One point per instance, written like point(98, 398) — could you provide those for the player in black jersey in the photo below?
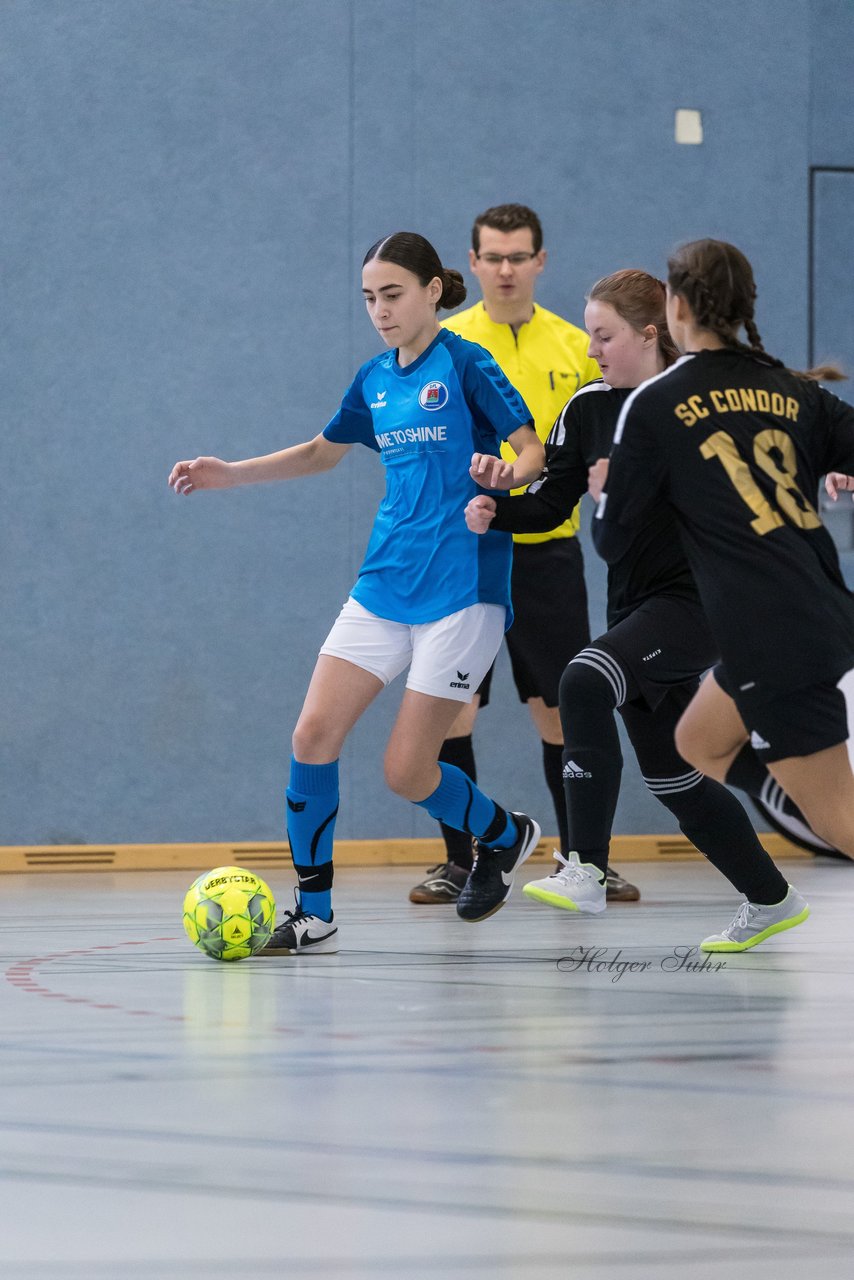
point(658, 644)
point(736, 444)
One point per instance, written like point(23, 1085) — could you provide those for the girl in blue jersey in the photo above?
point(429, 596)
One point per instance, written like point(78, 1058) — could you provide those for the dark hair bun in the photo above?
point(453, 289)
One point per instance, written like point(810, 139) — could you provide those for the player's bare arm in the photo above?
point(495, 473)
point(309, 458)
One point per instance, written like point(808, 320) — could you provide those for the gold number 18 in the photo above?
point(789, 497)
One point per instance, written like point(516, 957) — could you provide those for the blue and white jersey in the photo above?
point(425, 421)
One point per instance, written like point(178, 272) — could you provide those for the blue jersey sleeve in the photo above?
point(494, 402)
point(352, 423)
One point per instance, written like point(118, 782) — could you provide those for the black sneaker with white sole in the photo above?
point(491, 879)
point(302, 934)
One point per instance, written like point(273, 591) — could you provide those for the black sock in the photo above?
point(749, 774)
point(716, 822)
point(553, 769)
point(459, 752)
point(592, 761)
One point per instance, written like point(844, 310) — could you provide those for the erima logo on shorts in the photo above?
point(572, 770)
point(380, 402)
point(461, 681)
point(433, 395)
point(758, 742)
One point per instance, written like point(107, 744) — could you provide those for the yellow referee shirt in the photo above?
point(546, 361)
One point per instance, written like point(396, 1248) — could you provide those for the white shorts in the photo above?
point(447, 658)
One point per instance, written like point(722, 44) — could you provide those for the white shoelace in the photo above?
point(570, 871)
point(743, 916)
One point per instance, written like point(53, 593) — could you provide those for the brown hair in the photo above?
point(508, 217)
point(716, 280)
point(411, 251)
point(641, 300)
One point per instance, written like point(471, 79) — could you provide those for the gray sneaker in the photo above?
point(754, 923)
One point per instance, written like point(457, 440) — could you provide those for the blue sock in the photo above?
point(458, 802)
point(312, 797)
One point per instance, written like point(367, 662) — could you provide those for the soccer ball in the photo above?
point(229, 913)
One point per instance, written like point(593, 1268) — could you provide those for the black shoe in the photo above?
point(491, 880)
point(619, 890)
point(443, 884)
point(301, 933)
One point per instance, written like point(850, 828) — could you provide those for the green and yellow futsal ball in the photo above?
point(229, 913)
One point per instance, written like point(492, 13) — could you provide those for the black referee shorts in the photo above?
point(550, 621)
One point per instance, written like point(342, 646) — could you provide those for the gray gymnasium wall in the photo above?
point(188, 187)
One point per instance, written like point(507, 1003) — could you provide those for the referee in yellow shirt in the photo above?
point(545, 357)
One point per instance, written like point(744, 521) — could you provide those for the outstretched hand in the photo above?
point(491, 472)
point(836, 482)
point(480, 513)
point(201, 473)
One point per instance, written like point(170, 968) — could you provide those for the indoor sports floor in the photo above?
point(436, 1100)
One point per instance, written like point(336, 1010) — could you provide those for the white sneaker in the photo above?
point(301, 934)
point(754, 923)
point(575, 886)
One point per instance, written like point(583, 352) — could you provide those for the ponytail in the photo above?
point(716, 280)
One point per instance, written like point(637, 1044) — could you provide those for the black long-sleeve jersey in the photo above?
point(737, 446)
point(654, 562)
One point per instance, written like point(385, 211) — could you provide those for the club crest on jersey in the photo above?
point(433, 395)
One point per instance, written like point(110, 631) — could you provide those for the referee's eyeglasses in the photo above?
point(496, 259)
